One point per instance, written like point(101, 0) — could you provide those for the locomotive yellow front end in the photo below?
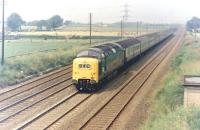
point(85, 73)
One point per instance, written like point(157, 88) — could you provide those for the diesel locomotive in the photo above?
point(93, 65)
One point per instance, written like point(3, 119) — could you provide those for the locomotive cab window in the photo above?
point(84, 66)
point(89, 53)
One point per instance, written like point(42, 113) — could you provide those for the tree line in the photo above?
point(15, 21)
point(193, 24)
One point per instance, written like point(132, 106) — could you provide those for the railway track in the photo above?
point(30, 84)
point(50, 102)
point(25, 95)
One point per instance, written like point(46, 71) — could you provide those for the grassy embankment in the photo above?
point(167, 112)
point(20, 66)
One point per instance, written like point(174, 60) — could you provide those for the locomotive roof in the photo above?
point(128, 42)
point(104, 47)
point(99, 51)
point(148, 35)
point(108, 47)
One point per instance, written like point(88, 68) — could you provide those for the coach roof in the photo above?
point(128, 42)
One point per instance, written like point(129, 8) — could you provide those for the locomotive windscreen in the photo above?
point(89, 53)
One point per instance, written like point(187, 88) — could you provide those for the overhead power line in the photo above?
point(3, 34)
point(90, 28)
point(125, 18)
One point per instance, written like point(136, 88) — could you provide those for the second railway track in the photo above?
point(31, 84)
point(54, 104)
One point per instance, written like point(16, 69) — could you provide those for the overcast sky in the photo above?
point(105, 10)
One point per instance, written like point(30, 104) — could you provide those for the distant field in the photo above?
point(84, 31)
point(29, 45)
point(69, 33)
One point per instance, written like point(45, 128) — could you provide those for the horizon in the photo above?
point(109, 11)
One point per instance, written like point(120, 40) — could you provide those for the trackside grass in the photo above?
point(18, 68)
point(167, 112)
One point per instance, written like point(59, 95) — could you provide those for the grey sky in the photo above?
point(106, 10)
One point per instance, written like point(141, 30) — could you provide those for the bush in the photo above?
point(193, 118)
point(180, 119)
point(18, 68)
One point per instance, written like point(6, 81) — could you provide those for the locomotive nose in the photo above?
point(85, 69)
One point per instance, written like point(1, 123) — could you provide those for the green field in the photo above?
point(26, 46)
point(167, 111)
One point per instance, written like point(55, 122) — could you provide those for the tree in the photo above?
point(194, 23)
point(55, 21)
point(67, 22)
point(14, 22)
point(41, 23)
point(32, 23)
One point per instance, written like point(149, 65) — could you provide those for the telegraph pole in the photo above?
point(141, 28)
point(195, 33)
point(147, 28)
point(137, 28)
point(90, 29)
point(3, 34)
point(122, 29)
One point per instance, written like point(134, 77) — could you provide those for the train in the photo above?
point(92, 66)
